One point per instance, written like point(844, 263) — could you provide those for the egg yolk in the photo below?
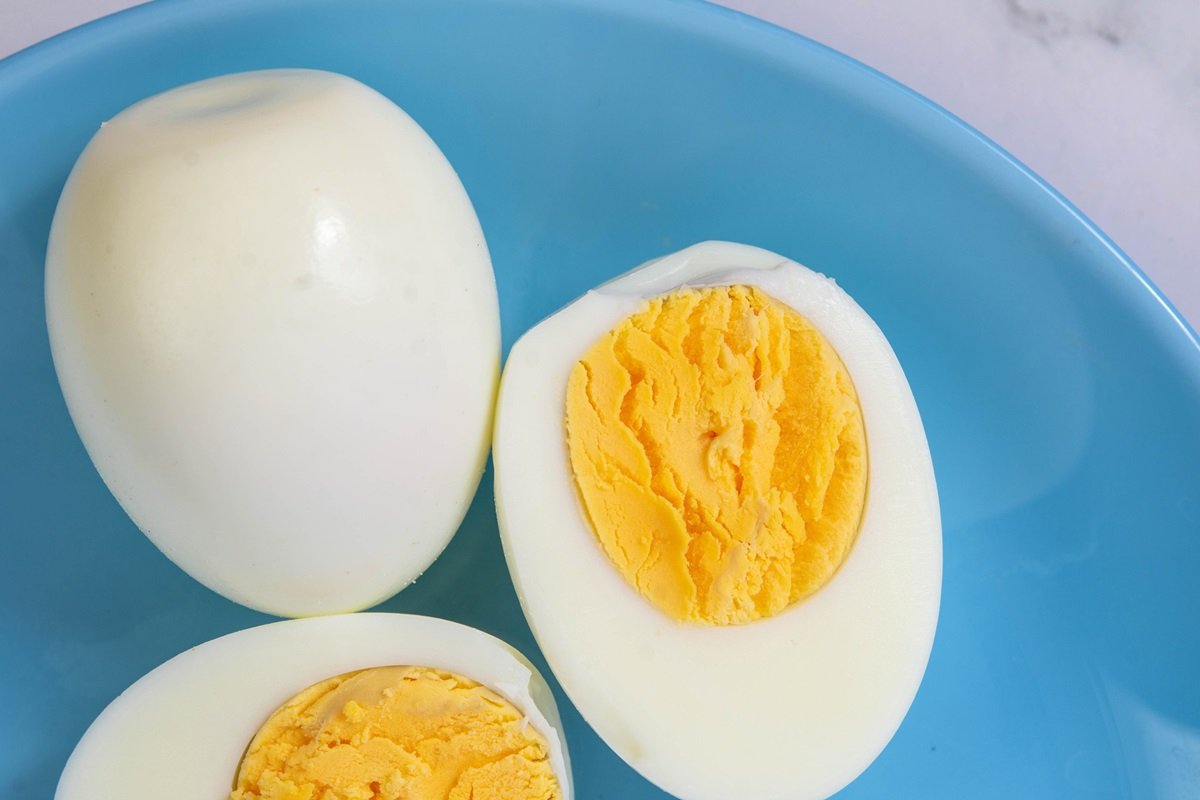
point(395, 733)
point(718, 448)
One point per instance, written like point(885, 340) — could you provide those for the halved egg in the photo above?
point(718, 507)
point(274, 320)
point(364, 706)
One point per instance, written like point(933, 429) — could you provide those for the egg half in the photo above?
point(182, 730)
point(274, 320)
point(717, 504)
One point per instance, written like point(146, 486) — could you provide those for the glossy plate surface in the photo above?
point(1060, 394)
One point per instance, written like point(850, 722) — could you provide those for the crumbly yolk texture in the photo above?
point(397, 733)
point(718, 448)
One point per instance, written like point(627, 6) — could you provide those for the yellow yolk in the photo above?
point(717, 444)
point(395, 733)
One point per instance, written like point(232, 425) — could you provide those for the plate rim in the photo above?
point(753, 34)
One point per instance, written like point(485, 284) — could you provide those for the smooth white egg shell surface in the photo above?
point(794, 706)
point(181, 730)
point(274, 320)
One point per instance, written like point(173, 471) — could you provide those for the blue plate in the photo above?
point(1060, 392)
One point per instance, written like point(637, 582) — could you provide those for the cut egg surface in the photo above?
point(361, 707)
point(274, 320)
point(718, 507)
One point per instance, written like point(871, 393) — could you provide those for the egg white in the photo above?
point(181, 730)
point(794, 706)
point(274, 320)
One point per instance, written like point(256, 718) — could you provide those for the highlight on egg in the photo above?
point(716, 464)
point(376, 705)
point(274, 320)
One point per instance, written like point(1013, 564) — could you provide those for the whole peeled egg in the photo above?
point(719, 510)
point(274, 319)
point(387, 706)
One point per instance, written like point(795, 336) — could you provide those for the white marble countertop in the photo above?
point(1099, 97)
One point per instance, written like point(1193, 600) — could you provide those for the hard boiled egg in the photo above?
point(718, 507)
point(365, 705)
point(275, 324)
